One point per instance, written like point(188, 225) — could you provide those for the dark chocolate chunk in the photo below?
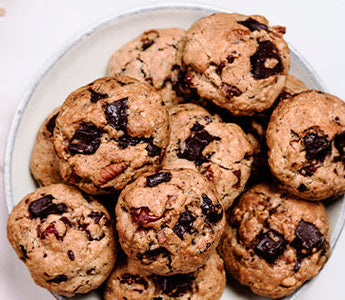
point(197, 127)
point(96, 216)
point(230, 58)
point(130, 279)
point(85, 140)
point(271, 245)
point(152, 150)
point(184, 224)
point(174, 285)
point(95, 96)
point(44, 206)
point(70, 255)
point(297, 264)
point(24, 252)
point(253, 25)
point(302, 188)
point(152, 254)
point(58, 279)
point(213, 212)
point(266, 50)
point(51, 123)
point(339, 142)
point(143, 215)
point(116, 114)
point(155, 179)
point(194, 146)
point(308, 238)
point(220, 68)
point(231, 91)
point(317, 146)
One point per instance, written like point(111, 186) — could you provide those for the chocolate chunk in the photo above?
point(213, 212)
point(116, 114)
point(308, 238)
point(44, 206)
point(96, 216)
point(197, 127)
point(230, 58)
point(24, 252)
point(58, 279)
point(302, 188)
point(317, 146)
point(297, 264)
point(85, 140)
point(271, 245)
point(51, 123)
point(70, 255)
point(184, 224)
point(153, 150)
point(339, 142)
point(143, 215)
point(152, 254)
point(253, 25)
point(220, 68)
point(231, 91)
point(265, 51)
point(174, 285)
point(130, 279)
point(95, 96)
point(155, 179)
point(194, 146)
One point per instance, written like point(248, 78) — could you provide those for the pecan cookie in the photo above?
point(129, 282)
point(219, 151)
point(169, 222)
point(306, 141)
point(153, 57)
point(109, 132)
point(44, 164)
point(274, 242)
point(66, 240)
point(238, 62)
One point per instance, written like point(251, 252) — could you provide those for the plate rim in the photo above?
point(48, 64)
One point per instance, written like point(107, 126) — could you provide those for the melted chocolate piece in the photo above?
point(58, 279)
point(155, 179)
point(220, 68)
point(151, 149)
point(230, 58)
point(95, 96)
point(213, 212)
point(152, 254)
point(266, 50)
point(316, 146)
point(231, 91)
point(308, 238)
point(85, 140)
point(51, 123)
point(174, 285)
point(339, 142)
point(253, 25)
point(271, 245)
point(194, 146)
point(96, 216)
point(70, 255)
point(197, 127)
point(116, 114)
point(44, 206)
point(130, 279)
point(143, 215)
point(184, 224)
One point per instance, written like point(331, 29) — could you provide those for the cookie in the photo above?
point(44, 164)
point(219, 151)
point(274, 242)
point(306, 140)
point(66, 240)
point(153, 57)
point(128, 282)
point(109, 132)
point(169, 222)
point(238, 62)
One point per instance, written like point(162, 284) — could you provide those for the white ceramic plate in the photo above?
point(85, 59)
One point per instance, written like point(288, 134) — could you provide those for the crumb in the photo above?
point(2, 11)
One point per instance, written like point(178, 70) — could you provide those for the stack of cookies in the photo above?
point(197, 142)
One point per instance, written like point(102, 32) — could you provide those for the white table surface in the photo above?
point(33, 30)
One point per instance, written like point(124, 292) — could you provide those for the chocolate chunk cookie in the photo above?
point(306, 140)
point(274, 242)
point(238, 62)
point(129, 282)
point(219, 151)
point(153, 57)
point(109, 132)
point(66, 241)
point(44, 165)
point(169, 222)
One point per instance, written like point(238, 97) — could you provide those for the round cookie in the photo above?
point(66, 241)
point(129, 282)
point(44, 164)
point(109, 132)
point(274, 242)
point(169, 222)
point(153, 57)
point(219, 151)
point(238, 62)
point(306, 140)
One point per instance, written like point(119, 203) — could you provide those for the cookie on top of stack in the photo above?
point(181, 125)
